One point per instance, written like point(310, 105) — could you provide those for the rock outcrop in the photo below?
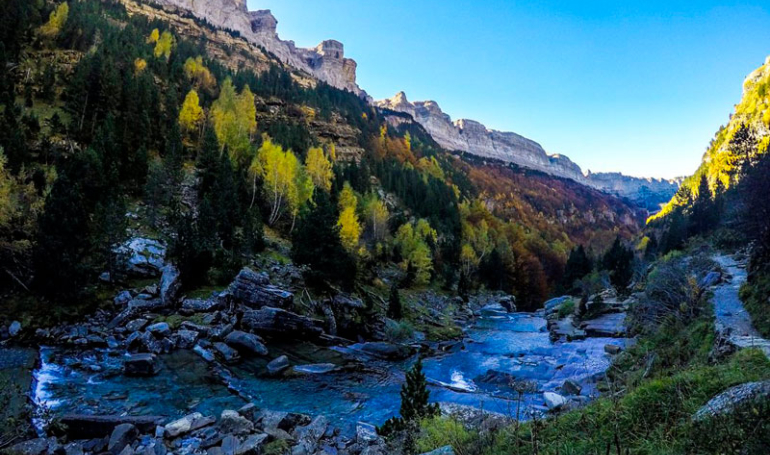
point(474, 138)
point(325, 62)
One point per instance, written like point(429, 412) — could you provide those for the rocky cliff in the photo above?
point(325, 62)
point(472, 137)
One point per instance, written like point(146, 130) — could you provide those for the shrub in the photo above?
point(439, 432)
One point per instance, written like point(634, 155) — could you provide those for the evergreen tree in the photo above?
point(703, 214)
point(395, 307)
point(619, 262)
point(226, 204)
point(414, 402)
point(578, 266)
point(316, 243)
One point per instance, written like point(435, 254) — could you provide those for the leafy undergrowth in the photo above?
point(755, 297)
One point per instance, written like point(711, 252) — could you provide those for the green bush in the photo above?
point(439, 432)
point(567, 308)
point(755, 295)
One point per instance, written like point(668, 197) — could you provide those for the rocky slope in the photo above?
point(472, 137)
point(325, 62)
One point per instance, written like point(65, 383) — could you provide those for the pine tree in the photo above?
point(395, 307)
point(414, 402)
point(578, 266)
point(619, 262)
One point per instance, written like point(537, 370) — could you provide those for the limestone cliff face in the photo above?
point(325, 62)
point(474, 138)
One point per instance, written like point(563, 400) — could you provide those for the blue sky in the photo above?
point(638, 87)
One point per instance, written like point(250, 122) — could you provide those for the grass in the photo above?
point(755, 295)
point(567, 308)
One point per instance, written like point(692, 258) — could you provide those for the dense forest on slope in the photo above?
point(203, 139)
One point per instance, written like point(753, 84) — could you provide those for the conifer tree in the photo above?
point(395, 307)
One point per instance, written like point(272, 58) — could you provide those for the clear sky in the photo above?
point(633, 86)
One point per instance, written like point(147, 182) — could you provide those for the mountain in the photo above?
point(472, 137)
point(326, 61)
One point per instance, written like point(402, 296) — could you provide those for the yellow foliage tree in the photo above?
point(191, 114)
point(235, 119)
point(56, 20)
point(285, 181)
point(377, 216)
point(164, 45)
point(154, 36)
point(140, 65)
point(301, 193)
point(411, 241)
point(7, 207)
point(319, 168)
point(350, 229)
point(347, 198)
point(197, 71)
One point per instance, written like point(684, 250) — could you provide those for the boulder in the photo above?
point(281, 324)
point(254, 290)
point(226, 353)
point(553, 305)
point(316, 368)
point(711, 279)
point(313, 432)
point(186, 424)
point(366, 434)
point(187, 338)
point(281, 420)
point(571, 387)
point(246, 343)
point(497, 378)
point(160, 329)
point(612, 349)
point(123, 435)
point(144, 303)
point(278, 365)
point(554, 401)
point(229, 445)
point(201, 306)
point(143, 342)
point(136, 325)
point(14, 329)
point(230, 422)
point(122, 299)
point(205, 353)
point(141, 365)
point(744, 397)
point(252, 445)
point(170, 285)
point(387, 351)
point(509, 303)
point(606, 326)
point(39, 446)
point(142, 257)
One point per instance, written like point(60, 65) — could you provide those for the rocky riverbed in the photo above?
point(244, 357)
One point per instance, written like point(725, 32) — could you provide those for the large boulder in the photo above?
point(201, 306)
point(123, 435)
point(139, 342)
point(252, 445)
point(509, 303)
point(554, 401)
point(142, 257)
point(141, 365)
point(14, 329)
point(170, 285)
point(281, 323)
point(39, 446)
point(160, 329)
point(230, 422)
point(278, 365)
point(735, 399)
point(254, 290)
point(246, 343)
point(186, 424)
point(387, 351)
point(226, 353)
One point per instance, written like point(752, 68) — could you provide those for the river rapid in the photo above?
point(343, 383)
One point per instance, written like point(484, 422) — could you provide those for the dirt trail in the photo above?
point(732, 319)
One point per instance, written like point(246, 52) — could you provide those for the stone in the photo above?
point(139, 342)
point(313, 431)
point(554, 401)
point(95, 427)
point(141, 365)
point(446, 450)
point(229, 445)
point(741, 398)
point(230, 422)
point(39, 446)
point(387, 351)
point(711, 279)
point(170, 285)
point(254, 290)
point(122, 298)
point(509, 303)
point(123, 435)
point(160, 330)
point(315, 368)
point(201, 306)
point(571, 387)
point(278, 365)
point(187, 338)
point(206, 354)
point(497, 378)
point(281, 324)
point(142, 257)
point(252, 445)
point(246, 343)
point(186, 424)
point(612, 349)
point(606, 326)
point(14, 329)
point(136, 325)
point(366, 434)
point(226, 353)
